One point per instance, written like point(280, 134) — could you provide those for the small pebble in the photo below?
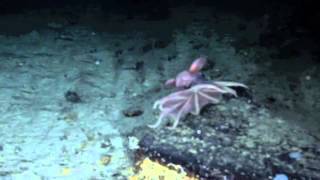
point(295, 155)
point(280, 177)
point(72, 96)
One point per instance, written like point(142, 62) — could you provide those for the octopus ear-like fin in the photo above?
point(197, 65)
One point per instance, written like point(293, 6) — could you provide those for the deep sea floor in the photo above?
point(76, 98)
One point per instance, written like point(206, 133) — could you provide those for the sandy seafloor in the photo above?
point(119, 65)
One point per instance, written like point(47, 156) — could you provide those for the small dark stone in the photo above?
point(271, 100)
point(1, 147)
point(139, 65)
point(132, 112)
point(104, 145)
point(72, 96)
point(171, 57)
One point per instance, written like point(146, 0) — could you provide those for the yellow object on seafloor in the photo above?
point(152, 170)
point(66, 171)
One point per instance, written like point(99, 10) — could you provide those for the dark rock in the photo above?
point(132, 112)
point(237, 141)
point(72, 96)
